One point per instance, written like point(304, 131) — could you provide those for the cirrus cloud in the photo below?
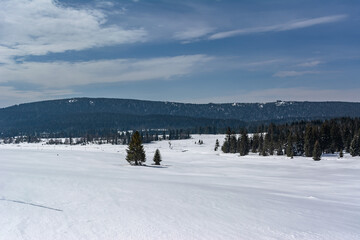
point(65, 74)
point(293, 73)
point(279, 27)
point(310, 64)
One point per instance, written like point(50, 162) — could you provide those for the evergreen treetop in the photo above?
point(157, 157)
point(135, 152)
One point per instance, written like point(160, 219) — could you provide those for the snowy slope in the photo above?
point(90, 192)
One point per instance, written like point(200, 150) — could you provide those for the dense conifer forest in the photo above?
point(303, 138)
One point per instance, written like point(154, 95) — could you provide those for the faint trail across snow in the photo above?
point(31, 204)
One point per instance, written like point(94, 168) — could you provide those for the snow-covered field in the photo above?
point(90, 192)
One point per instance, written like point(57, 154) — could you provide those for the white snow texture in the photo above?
point(90, 192)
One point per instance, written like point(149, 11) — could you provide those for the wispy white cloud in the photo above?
point(262, 63)
point(294, 73)
point(104, 4)
point(193, 33)
point(38, 27)
point(279, 27)
point(309, 64)
point(10, 95)
point(65, 74)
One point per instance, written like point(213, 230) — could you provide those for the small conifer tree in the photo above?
point(261, 145)
point(354, 146)
point(309, 140)
point(157, 157)
point(279, 151)
point(317, 151)
point(244, 144)
point(217, 145)
point(226, 145)
point(256, 142)
point(135, 152)
point(233, 143)
point(271, 148)
point(289, 148)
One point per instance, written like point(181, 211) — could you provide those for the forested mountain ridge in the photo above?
point(240, 111)
point(81, 115)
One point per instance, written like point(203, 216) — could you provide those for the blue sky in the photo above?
point(185, 51)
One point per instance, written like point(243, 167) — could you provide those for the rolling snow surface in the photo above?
point(90, 192)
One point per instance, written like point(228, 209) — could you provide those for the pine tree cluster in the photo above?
point(232, 144)
point(309, 139)
point(136, 153)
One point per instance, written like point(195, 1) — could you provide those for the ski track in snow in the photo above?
point(30, 204)
point(90, 192)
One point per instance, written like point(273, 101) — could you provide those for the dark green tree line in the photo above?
point(305, 138)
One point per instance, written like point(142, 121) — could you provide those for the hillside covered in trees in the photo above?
point(79, 116)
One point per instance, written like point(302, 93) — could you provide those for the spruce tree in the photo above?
point(157, 157)
point(325, 137)
point(279, 151)
point(233, 143)
point(317, 151)
point(255, 143)
point(238, 146)
point(309, 140)
point(164, 136)
point(244, 144)
point(289, 148)
point(299, 144)
point(226, 145)
point(267, 143)
point(347, 139)
point(261, 146)
point(354, 146)
point(217, 145)
point(336, 138)
point(135, 152)
point(271, 148)
point(271, 138)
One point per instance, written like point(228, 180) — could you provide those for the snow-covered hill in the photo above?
point(90, 192)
